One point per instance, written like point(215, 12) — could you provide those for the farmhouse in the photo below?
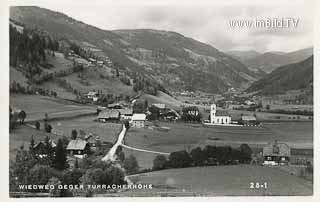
point(93, 141)
point(109, 115)
point(40, 149)
point(78, 148)
point(138, 120)
point(248, 120)
point(125, 113)
point(93, 95)
point(276, 154)
point(219, 117)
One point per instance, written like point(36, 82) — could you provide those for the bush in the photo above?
point(160, 162)
point(180, 159)
point(47, 128)
point(37, 125)
point(74, 134)
point(131, 164)
point(198, 156)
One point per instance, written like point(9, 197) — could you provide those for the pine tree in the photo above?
point(60, 160)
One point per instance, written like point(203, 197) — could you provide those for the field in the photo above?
point(106, 131)
point(36, 107)
point(220, 181)
point(187, 136)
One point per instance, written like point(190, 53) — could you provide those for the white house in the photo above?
point(219, 117)
point(138, 120)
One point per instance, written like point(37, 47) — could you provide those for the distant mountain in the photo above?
point(176, 61)
point(289, 77)
point(243, 55)
point(269, 61)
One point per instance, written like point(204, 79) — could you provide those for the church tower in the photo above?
point(213, 111)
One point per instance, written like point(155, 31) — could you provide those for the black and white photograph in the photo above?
point(160, 100)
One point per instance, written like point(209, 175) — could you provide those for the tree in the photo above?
point(130, 164)
point(60, 159)
point(40, 174)
point(198, 156)
point(127, 124)
point(74, 134)
point(47, 127)
point(37, 125)
point(31, 145)
point(160, 162)
point(22, 115)
point(245, 153)
point(20, 167)
point(55, 182)
point(180, 159)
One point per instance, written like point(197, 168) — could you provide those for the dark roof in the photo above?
point(125, 111)
point(222, 113)
point(77, 144)
point(248, 118)
point(109, 113)
point(276, 149)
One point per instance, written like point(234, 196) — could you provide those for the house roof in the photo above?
point(115, 105)
point(248, 118)
point(109, 113)
point(222, 113)
point(125, 111)
point(53, 144)
point(276, 149)
point(77, 144)
point(138, 117)
point(92, 93)
point(159, 105)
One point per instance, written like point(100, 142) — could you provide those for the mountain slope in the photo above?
point(243, 55)
point(289, 77)
point(175, 61)
point(269, 61)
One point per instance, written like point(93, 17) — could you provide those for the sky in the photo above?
point(208, 23)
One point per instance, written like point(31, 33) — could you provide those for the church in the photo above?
point(219, 117)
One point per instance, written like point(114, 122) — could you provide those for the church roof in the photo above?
point(222, 113)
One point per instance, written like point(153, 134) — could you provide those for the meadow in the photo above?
point(183, 136)
point(231, 180)
point(36, 106)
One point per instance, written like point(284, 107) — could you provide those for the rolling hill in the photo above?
point(289, 77)
point(175, 61)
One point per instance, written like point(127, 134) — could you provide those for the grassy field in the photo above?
point(187, 136)
point(107, 131)
point(220, 181)
point(36, 107)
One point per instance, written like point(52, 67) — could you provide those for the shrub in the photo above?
point(180, 159)
point(131, 164)
point(160, 162)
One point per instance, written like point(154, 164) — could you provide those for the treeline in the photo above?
point(29, 49)
point(210, 155)
point(146, 85)
point(16, 87)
